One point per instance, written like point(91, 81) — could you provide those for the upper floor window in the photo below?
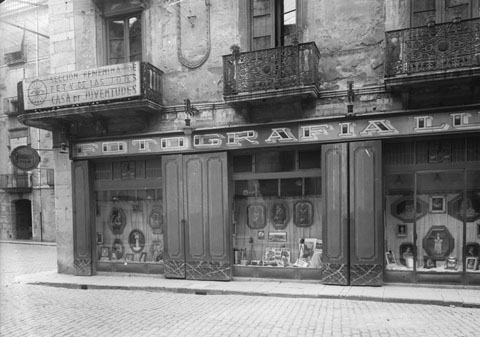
point(439, 11)
point(273, 23)
point(124, 39)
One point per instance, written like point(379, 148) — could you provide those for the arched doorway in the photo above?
point(23, 219)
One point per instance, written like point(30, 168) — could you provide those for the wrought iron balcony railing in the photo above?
point(16, 182)
point(292, 69)
point(439, 47)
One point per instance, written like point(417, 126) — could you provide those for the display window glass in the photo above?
point(277, 209)
point(129, 215)
point(432, 206)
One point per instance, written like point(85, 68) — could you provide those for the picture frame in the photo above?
point(143, 257)
point(471, 263)
point(451, 263)
point(128, 257)
point(401, 230)
point(390, 258)
point(256, 216)
point(277, 236)
point(105, 252)
point(260, 235)
point(429, 262)
point(437, 204)
point(99, 238)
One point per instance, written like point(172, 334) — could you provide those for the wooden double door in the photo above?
point(352, 213)
point(195, 200)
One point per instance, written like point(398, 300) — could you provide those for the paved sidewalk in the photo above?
point(398, 293)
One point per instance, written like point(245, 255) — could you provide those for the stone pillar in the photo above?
point(62, 59)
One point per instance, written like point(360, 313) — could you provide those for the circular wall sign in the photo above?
point(25, 158)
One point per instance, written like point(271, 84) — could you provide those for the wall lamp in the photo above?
point(190, 111)
point(350, 98)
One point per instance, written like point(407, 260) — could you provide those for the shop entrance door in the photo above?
point(197, 235)
point(352, 217)
point(23, 219)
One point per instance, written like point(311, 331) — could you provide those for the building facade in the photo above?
point(337, 142)
point(27, 204)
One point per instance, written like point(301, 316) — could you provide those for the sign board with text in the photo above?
point(82, 87)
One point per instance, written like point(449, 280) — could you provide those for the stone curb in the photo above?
point(203, 291)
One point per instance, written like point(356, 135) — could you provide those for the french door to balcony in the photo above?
point(197, 234)
point(352, 217)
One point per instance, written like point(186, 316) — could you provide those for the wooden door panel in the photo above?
point(196, 232)
point(206, 211)
point(174, 245)
point(366, 214)
point(217, 198)
point(335, 213)
point(82, 233)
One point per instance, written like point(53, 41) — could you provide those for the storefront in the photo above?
point(329, 200)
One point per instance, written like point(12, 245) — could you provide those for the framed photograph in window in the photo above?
point(437, 204)
point(471, 263)
point(390, 258)
point(99, 238)
point(401, 230)
point(128, 257)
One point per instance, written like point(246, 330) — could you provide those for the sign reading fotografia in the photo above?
point(83, 86)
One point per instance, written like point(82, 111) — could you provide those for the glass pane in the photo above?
point(309, 159)
point(116, 41)
point(275, 231)
point(470, 212)
point(313, 186)
point(291, 187)
point(275, 161)
point(135, 37)
point(440, 231)
point(242, 163)
point(399, 219)
point(457, 10)
point(289, 22)
point(129, 227)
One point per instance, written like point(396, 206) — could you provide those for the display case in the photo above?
point(129, 216)
point(277, 211)
point(432, 208)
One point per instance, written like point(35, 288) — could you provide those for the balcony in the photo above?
point(433, 54)
point(93, 99)
point(272, 73)
point(16, 183)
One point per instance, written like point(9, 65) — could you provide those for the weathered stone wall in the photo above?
point(37, 63)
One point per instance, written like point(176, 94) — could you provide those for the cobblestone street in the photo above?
point(33, 310)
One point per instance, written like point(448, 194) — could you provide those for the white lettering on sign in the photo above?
point(462, 121)
point(173, 143)
point(378, 127)
point(314, 132)
point(236, 138)
point(404, 125)
point(85, 149)
point(347, 129)
point(210, 140)
point(282, 135)
point(82, 87)
point(425, 124)
point(114, 147)
point(143, 145)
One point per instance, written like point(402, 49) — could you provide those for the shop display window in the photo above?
point(277, 209)
point(432, 212)
point(129, 213)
